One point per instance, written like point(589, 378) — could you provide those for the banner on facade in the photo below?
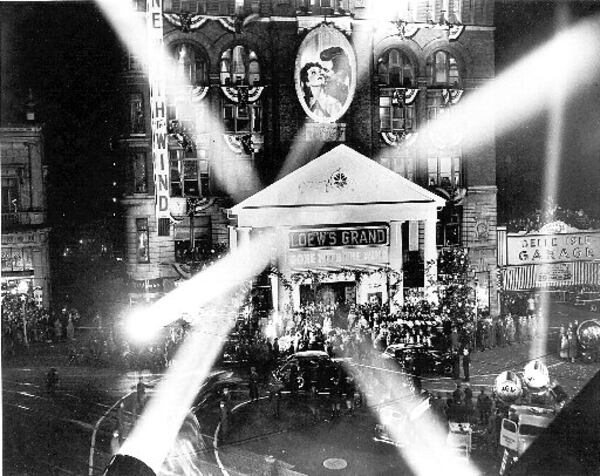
point(552, 248)
point(325, 74)
point(158, 108)
point(376, 256)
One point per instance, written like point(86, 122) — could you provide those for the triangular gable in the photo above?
point(341, 176)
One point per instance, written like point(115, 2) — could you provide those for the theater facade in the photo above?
point(269, 87)
point(337, 215)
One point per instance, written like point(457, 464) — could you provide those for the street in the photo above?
point(47, 434)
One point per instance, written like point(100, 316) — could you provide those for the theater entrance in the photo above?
point(329, 294)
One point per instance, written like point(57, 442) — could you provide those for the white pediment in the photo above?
point(341, 176)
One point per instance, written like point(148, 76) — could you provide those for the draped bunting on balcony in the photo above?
point(395, 139)
point(404, 96)
point(199, 93)
point(451, 96)
point(185, 21)
point(242, 94)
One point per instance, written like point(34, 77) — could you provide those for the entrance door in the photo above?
point(329, 294)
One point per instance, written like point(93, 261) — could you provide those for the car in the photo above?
point(419, 359)
point(315, 368)
point(588, 299)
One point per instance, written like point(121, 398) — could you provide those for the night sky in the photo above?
point(70, 58)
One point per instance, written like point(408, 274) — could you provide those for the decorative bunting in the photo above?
point(395, 139)
point(186, 22)
point(452, 96)
point(229, 24)
point(242, 94)
point(199, 93)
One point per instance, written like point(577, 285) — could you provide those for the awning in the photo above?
point(556, 275)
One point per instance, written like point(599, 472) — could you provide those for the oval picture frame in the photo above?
point(325, 74)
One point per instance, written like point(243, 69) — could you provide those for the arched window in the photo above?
point(442, 70)
point(192, 65)
point(395, 70)
point(239, 66)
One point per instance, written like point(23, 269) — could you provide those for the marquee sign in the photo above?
point(338, 257)
point(552, 248)
point(158, 108)
point(336, 237)
point(325, 74)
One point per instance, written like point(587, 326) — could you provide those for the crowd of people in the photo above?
point(568, 341)
point(25, 322)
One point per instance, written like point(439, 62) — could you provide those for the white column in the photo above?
point(243, 235)
point(233, 242)
point(430, 259)
point(395, 263)
point(275, 292)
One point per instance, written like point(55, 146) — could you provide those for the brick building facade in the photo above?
point(239, 122)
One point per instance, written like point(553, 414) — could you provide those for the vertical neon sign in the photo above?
point(158, 108)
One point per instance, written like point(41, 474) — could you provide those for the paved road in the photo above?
point(51, 435)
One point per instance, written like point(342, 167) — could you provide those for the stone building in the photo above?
point(247, 115)
point(25, 232)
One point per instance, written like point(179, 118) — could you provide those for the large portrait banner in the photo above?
point(325, 74)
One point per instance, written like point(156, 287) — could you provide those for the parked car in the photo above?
point(588, 299)
point(418, 359)
point(315, 367)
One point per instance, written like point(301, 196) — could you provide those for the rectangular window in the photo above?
point(17, 259)
point(444, 172)
point(256, 119)
point(175, 175)
point(136, 114)
point(242, 118)
point(189, 175)
point(449, 226)
point(139, 172)
point(143, 240)
point(164, 225)
point(10, 194)
point(393, 118)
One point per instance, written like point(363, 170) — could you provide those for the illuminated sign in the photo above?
point(338, 257)
point(555, 248)
point(158, 108)
point(325, 74)
point(332, 237)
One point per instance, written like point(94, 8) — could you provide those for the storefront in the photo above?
point(25, 264)
point(340, 219)
point(555, 258)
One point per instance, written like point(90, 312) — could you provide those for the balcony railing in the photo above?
point(23, 218)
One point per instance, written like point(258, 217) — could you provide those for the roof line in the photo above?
point(301, 205)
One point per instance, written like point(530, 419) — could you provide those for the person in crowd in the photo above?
point(52, 380)
point(458, 396)
point(563, 341)
point(253, 384)
point(466, 363)
point(58, 330)
point(140, 393)
point(455, 359)
point(572, 342)
point(484, 406)
point(500, 332)
point(469, 409)
point(70, 330)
